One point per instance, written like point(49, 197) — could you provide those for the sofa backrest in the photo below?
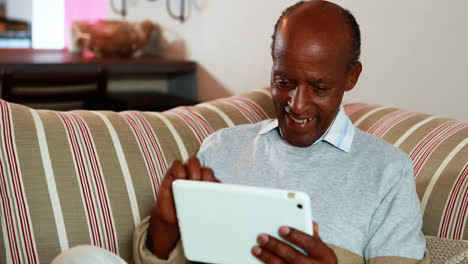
point(89, 177)
point(85, 177)
point(438, 148)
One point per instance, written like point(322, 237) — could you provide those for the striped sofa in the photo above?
point(89, 177)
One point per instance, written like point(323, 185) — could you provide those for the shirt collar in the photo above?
point(339, 134)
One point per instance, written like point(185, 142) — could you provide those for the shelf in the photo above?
point(180, 75)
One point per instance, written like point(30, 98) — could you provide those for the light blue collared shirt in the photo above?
point(340, 133)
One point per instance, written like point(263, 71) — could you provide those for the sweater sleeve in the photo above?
point(142, 255)
point(395, 229)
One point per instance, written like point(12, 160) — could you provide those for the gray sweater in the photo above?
point(364, 200)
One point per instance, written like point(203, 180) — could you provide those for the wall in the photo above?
point(19, 9)
point(413, 51)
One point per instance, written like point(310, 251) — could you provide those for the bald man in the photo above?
point(362, 189)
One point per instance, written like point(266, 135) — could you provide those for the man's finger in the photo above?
point(312, 245)
point(266, 256)
point(280, 249)
point(208, 175)
point(193, 169)
point(316, 230)
point(176, 171)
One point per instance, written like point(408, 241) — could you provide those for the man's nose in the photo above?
point(299, 99)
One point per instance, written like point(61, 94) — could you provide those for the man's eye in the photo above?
point(320, 88)
point(283, 82)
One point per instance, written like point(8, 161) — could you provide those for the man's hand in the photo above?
point(273, 251)
point(164, 229)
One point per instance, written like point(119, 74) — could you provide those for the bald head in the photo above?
point(314, 24)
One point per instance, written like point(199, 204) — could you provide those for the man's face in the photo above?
point(309, 76)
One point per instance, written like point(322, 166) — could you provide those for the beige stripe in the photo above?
point(359, 121)
point(124, 168)
point(175, 134)
point(437, 174)
point(51, 184)
point(411, 130)
point(219, 112)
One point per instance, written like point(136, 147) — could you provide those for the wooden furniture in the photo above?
point(90, 88)
point(179, 76)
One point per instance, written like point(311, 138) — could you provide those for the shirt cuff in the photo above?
point(142, 255)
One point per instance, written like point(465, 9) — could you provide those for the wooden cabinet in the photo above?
point(142, 83)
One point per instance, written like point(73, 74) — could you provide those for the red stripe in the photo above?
point(85, 186)
point(246, 108)
point(198, 124)
point(449, 209)
point(12, 241)
point(261, 114)
point(428, 138)
point(196, 129)
point(18, 190)
point(351, 109)
point(433, 145)
point(98, 180)
point(89, 202)
point(393, 122)
point(199, 120)
point(462, 213)
point(7, 208)
point(155, 144)
point(383, 120)
point(83, 182)
point(144, 148)
point(242, 109)
point(451, 204)
point(380, 131)
point(97, 173)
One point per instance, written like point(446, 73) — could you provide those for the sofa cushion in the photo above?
point(438, 148)
point(89, 177)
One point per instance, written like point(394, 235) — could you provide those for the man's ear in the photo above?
point(353, 76)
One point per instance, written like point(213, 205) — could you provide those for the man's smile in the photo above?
point(301, 121)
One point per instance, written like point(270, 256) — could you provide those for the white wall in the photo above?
point(19, 9)
point(48, 24)
point(414, 52)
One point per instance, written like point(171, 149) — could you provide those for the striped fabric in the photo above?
point(438, 148)
point(89, 177)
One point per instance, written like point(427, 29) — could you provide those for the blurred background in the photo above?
point(413, 52)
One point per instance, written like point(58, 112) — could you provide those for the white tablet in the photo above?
point(219, 223)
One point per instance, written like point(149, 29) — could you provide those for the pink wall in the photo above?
point(89, 10)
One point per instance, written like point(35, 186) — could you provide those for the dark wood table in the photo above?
point(181, 75)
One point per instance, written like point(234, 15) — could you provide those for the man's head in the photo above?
point(315, 50)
